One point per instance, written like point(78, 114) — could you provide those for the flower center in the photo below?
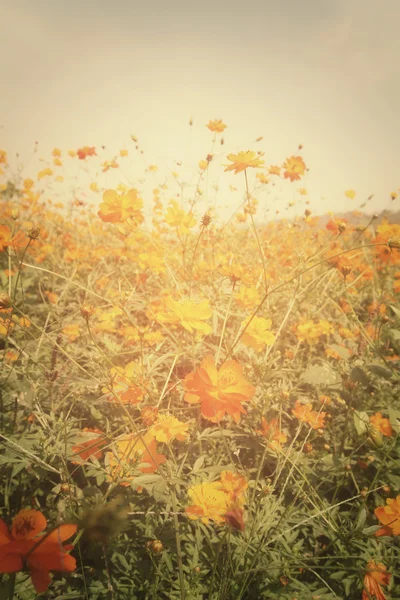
point(24, 527)
point(227, 378)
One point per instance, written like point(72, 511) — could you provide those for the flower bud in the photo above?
point(5, 300)
point(34, 233)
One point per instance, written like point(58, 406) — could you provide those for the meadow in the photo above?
point(195, 407)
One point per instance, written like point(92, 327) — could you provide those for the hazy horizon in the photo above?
point(325, 75)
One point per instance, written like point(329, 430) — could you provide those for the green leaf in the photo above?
point(395, 310)
point(381, 371)
point(370, 531)
point(341, 350)
point(360, 522)
point(321, 374)
point(359, 375)
point(96, 414)
point(361, 422)
point(395, 333)
point(198, 463)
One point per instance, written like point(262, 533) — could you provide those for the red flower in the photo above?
point(25, 547)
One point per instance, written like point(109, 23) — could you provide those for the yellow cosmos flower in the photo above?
point(243, 160)
point(190, 315)
point(208, 502)
point(177, 217)
point(45, 173)
point(217, 125)
point(258, 334)
point(168, 428)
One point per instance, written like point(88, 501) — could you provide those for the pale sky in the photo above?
point(322, 73)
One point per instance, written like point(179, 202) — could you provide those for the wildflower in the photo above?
point(305, 414)
point(294, 168)
point(350, 194)
point(381, 424)
point(206, 220)
point(220, 392)
point(234, 485)
point(45, 173)
point(86, 151)
point(272, 432)
point(5, 300)
point(243, 160)
point(118, 208)
point(203, 164)
point(24, 546)
point(389, 516)
point(127, 384)
point(274, 170)
point(149, 415)
point(156, 546)
point(87, 310)
point(109, 164)
point(3, 157)
point(71, 331)
point(134, 451)
point(374, 578)
point(258, 334)
point(234, 518)
point(176, 217)
point(92, 447)
point(217, 125)
point(248, 297)
point(208, 502)
point(311, 332)
point(168, 428)
point(190, 315)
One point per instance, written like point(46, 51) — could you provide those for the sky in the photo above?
point(319, 73)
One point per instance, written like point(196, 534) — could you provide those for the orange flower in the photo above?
point(243, 160)
point(374, 578)
point(217, 125)
point(389, 516)
point(234, 485)
point(86, 151)
point(294, 168)
point(381, 424)
point(273, 432)
point(305, 414)
point(40, 553)
point(91, 447)
point(18, 241)
point(127, 383)
point(220, 392)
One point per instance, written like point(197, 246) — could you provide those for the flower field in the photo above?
point(195, 406)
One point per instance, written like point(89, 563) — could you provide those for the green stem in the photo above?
point(12, 586)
